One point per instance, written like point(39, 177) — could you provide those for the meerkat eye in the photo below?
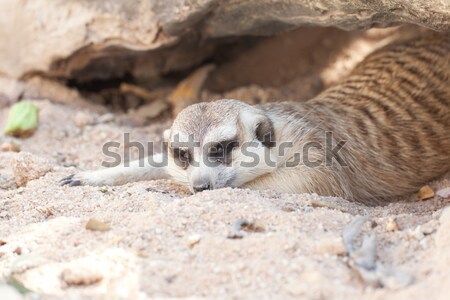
point(184, 155)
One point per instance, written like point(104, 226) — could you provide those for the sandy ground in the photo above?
point(165, 243)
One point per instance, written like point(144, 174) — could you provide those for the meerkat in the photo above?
point(381, 132)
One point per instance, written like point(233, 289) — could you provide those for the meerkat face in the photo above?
point(219, 144)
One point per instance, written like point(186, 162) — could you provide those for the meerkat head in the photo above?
point(219, 144)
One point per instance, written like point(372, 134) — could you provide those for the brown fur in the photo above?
point(394, 112)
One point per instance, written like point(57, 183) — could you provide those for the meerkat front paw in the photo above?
point(84, 178)
point(70, 180)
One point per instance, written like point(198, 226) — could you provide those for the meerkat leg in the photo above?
point(137, 170)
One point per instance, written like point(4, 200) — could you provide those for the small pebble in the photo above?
point(83, 119)
point(193, 240)
point(391, 225)
point(426, 192)
point(9, 147)
point(96, 225)
point(444, 193)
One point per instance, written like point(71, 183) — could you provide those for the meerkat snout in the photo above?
point(202, 186)
point(200, 183)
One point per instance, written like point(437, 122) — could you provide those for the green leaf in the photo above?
point(22, 120)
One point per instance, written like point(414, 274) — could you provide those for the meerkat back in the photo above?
point(394, 112)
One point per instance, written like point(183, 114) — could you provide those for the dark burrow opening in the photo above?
point(295, 65)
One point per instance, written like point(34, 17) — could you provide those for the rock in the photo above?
point(36, 46)
point(444, 193)
point(193, 240)
point(426, 192)
point(27, 167)
point(11, 91)
point(83, 119)
point(391, 225)
point(37, 87)
point(87, 33)
point(97, 225)
point(9, 147)
point(266, 17)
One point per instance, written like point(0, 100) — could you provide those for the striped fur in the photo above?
point(394, 112)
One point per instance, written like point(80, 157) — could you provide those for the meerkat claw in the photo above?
point(70, 181)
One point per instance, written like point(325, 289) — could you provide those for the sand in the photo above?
point(165, 243)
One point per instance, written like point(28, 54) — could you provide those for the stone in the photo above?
point(83, 119)
point(97, 225)
point(267, 17)
point(9, 147)
point(27, 167)
point(64, 40)
point(193, 240)
point(425, 193)
point(444, 193)
point(391, 225)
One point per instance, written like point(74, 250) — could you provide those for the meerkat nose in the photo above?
point(201, 187)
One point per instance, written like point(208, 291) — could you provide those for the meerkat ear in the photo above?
point(166, 135)
point(265, 132)
point(260, 125)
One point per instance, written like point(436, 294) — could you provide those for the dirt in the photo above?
point(162, 242)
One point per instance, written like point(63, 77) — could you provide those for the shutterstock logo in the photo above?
point(247, 154)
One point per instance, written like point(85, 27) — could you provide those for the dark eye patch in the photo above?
point(222, 151)
point(182, 157)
